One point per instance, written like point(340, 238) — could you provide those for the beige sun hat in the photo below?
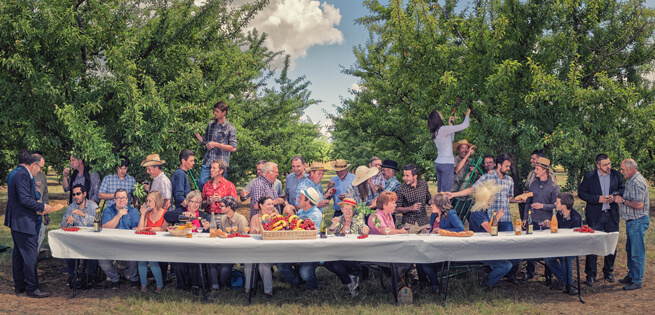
point(317, 166)
point(363, 173)
point(544, 162)
point(311, 194)
point(340, 165)
point(152, 159)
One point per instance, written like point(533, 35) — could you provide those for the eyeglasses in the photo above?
point(121, 198)
point(77, 194)
point(195, 202)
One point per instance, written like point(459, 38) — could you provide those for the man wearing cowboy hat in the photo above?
point(389, 168)
point(160, 181)
point(297, 175)
point(462, 162)
point(532, 176)
point(341, 183)
point(308, 201)
point(316, 171)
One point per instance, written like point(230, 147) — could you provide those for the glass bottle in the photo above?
point(323, 228)
point(553, 222)
point(493, 230)
point(529, 223)
point(189, 229)
point(97, 221)
point(212, 227)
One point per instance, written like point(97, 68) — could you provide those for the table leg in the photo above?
point(445, 287)
point(577, 262)
point(394, 282)
point(77, 264)
point(202, 284)
point(253, 281)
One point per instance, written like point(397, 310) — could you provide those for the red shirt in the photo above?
point(225, 188)
point(150, 223)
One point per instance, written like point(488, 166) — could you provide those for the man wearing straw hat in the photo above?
point(341, 182)
point(316, 171)
point(462, 162)
point(160, 181)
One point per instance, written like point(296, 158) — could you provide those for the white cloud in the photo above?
point(295, 25)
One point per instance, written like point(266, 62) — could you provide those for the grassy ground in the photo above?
point(332, 297)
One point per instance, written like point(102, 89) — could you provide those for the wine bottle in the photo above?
point(494, 225)
point(212, 227)
point(97, 221)
point(584, 217)
point(323, 228)
point(529, 223)
point(553, 222)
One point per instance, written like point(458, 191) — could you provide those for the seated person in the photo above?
point(567, 218)
point(266, 206)
point(231, 222)
point(495, 269)
point(444, 217)
point(120, 216)
point(347, 271)
point(307, 201)
point(152, 216)
point(80, 213)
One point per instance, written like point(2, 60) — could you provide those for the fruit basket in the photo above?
point(287, 234)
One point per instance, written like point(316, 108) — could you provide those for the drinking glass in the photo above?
point(246, 229)
point(406, 227)
point(387, 230)
point(346, 230)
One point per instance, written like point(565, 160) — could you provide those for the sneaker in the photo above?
point(114, 286)
point(213, 295)
point(626, 280)
point(355, 281)
point(632, 286)
point(572, 290)
point(351, 288)
point(405, 296)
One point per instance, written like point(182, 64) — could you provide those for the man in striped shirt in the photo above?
point(634, 209)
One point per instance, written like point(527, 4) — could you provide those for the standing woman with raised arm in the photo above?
point(443, 137)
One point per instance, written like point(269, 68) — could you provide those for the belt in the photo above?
point(626, 221)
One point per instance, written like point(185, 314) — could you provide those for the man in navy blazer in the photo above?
point(598, 189)
point(20, 217)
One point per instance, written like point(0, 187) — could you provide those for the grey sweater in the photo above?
point(545, 193)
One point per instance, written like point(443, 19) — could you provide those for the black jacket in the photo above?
point(590, 191)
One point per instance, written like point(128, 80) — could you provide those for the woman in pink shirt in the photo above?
point(382, 221)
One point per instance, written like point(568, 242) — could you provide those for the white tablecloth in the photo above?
point(126, 245)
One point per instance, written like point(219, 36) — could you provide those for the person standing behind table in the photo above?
point(307, 201)
point(113, 182)
point(20, 217)
point(277, 184)
point(536, 154)
point(81, 175)
point(297, 175)
point(341, 182)
point(152, 217)
point(377, 181)
point(494, 269)
point(389, 168)
point(598, 189)
point(263, 186)
point(42, 222)
point(489, 163)
point(567, 218)
point(503, 197)
point(80, 213)
point(443, 137)
point(220, 139)
point(217, 188)
point(542, 203)
point(180, 183)
point(413, 198)
point(120, 216)
point(313, 180)
point(634, 210)
point(462, 162)
point(160, 181)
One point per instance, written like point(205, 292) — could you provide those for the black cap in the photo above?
point(390, 164)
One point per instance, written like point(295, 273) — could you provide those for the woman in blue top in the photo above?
point(444, 217)
point(443, 137)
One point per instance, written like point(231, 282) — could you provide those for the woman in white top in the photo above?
point(443, 137)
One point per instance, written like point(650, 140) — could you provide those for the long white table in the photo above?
point(126, 245)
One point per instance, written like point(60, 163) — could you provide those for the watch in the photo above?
point(623, 202)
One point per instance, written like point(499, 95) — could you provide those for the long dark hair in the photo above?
point(434, 123)
point(363, 190)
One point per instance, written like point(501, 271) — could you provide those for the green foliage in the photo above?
point(113, 77)
point(567, 77)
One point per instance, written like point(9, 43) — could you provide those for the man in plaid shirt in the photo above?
point(378, 180)
point(111, 183)
point(220, 140)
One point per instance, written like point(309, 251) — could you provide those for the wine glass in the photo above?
point(246, 229)
point(228, 229)
point(346, 230)
point(387, 230)
point(406, 227)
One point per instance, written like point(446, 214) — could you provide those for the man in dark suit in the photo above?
point(20, 217)
point(598, 189)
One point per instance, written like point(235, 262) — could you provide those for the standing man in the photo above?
point(503, 197)
point(532, 176)
point(377, 180)
point(298, 174)
point(316, 171)
point(389, 168)
point(220, 140)
point(263, 186)
point(20, 217)
point(462, 162)
point(413, 197)
point(634, 210)
point(160, 181)
point(340, 183)
point(489, 164)
point(81, 175)
point(113, 182)
point(180, 184)
point(598, 189)
point(277, 184)
point(42, 222)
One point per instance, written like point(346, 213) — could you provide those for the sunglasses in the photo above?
point(77, 194)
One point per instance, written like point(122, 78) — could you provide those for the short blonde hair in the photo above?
point(192, 195)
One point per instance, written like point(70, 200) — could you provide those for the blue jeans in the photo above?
point(558, 268)
point(635, 247)
point(505, 227)
point(430, 271)
point(307, 272)
point(156, 272)
point(203, 176)
point(499, 268)
point(343, 269)
point(445, 176)
point(108, 267)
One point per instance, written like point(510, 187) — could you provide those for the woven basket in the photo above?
point(287, 235)
point(174, 232)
